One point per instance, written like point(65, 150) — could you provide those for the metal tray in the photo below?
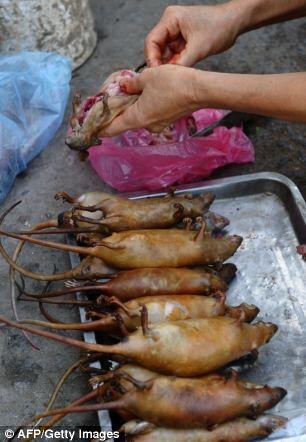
point(268, 210)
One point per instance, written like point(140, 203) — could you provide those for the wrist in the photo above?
point(203, 89)
point(220, 90)
point(243, 14)
point(189, 87)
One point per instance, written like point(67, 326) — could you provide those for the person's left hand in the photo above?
point(166, 93)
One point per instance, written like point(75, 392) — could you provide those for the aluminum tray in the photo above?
point(268, 210)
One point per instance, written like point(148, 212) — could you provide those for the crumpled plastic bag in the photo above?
point(139, 160)
point(34, 89)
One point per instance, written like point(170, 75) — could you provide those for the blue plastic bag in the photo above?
point(34, 89)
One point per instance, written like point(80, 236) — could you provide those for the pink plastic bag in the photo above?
point(139, 160)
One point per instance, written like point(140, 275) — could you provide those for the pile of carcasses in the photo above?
point(164, 301)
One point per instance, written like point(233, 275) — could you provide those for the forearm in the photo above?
point(279, 95)
point(253, 14)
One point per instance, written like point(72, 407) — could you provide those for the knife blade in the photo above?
point(232, 118)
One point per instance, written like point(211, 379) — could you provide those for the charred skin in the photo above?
point(91, 268)
point(200, 402)
point(132, 284)
point(189, 402)
point(173, 308)
point(164, 401)
point(116, 213)
point(227, 272)
point(242, 364)
point(186, 348)
point(83, 219)
point(227, 246)
point(126, 215)
point(213, 222)
point(121, 384)
point(244, 312)
point(163, 248)
point(95, 113)
point(196, 346)
point(160, 309)
point(152, 248)
point(89, 239)
point(180, 307)
point(100, 115)
point(194, 205)
point(238, 430)
point(137, 283)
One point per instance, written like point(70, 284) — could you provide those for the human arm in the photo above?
point(169, 92)
point(187, 34)
point(281, 96)
point(266, 12)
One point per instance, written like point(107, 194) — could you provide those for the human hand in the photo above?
point(187, 34)
point(167, 93)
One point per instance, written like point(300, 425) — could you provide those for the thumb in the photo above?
point(132, 85)
point(188, 56)
point(125, 121)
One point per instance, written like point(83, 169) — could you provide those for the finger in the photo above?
point(174, 50)
point(177, 45)
point(187, 57)
point(126, 121)
point(167, 55)
point(165, 31)
point(154, 44)
point(132, 85)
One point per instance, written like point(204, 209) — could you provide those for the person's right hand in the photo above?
point(166, 93)
point(187, 34)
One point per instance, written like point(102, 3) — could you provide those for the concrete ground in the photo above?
point(27, 376)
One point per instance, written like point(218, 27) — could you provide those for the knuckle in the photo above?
point(174, 11)
point(148, 38)
point(171, 9)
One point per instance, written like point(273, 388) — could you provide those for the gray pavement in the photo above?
point(27, 376)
